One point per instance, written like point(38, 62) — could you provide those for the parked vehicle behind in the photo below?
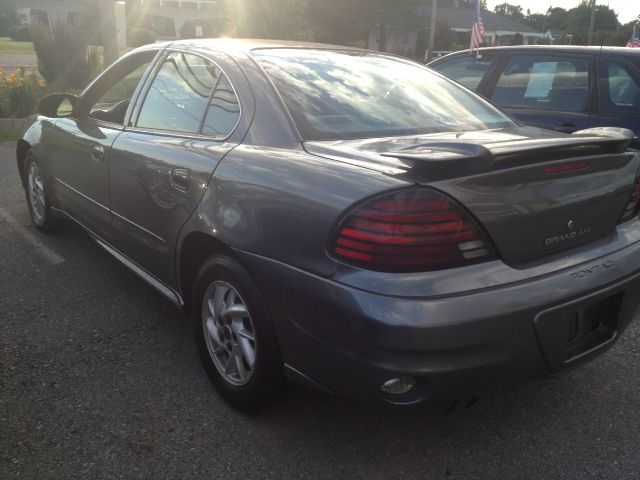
point(346, 219)
point(564, 88)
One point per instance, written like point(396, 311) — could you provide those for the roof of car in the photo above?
point(593, 50)
point(247, 44)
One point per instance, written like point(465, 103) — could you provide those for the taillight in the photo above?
point(410, 230)
point(633, 207)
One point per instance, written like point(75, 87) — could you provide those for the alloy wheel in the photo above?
point(229, 333)
point(37, 200)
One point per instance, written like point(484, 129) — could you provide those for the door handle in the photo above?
point(97, 153)
point(181, 178)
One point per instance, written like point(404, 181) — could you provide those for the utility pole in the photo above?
point(432, 30)
point(593, 21)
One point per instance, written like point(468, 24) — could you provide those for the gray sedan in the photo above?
point(343, 218)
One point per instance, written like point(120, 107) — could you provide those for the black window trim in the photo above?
point(131, 126)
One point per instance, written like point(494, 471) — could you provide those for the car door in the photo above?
point(161, 165)
point(619, 95)
point(554, 91)
point(79, 144)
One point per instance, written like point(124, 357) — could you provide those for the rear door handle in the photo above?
point(181, 178)
point(97, 153)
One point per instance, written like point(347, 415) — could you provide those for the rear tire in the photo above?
point(235, 336)
point(37, 197)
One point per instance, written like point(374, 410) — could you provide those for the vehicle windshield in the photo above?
point(345, 95)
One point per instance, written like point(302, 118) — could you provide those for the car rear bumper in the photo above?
point(349, 341)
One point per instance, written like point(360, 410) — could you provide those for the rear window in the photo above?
point(467, 70)
point(342, 95)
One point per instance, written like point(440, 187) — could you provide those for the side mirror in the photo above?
point(57, 105)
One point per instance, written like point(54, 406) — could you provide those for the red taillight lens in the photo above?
point(633, 207)
point(410, 230)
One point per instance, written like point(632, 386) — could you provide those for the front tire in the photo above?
point(235, 336)
point(37, 197)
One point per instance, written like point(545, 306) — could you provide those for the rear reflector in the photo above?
point(410, 230)
point(633, 207)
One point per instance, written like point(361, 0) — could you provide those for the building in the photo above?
point(165, 17)
point(411, 42)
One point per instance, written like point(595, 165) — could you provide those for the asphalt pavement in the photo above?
point(99, 378)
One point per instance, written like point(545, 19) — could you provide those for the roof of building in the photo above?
point(462, 18)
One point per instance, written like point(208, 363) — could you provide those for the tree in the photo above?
point(508, 10)
point(62, 54)
point(344, 21)
point(283, 19)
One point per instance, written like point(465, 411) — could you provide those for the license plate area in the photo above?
point(574, 333)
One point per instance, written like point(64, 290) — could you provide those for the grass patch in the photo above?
point(10, 46)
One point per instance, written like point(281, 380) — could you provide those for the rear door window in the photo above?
point(467, 70)
point(619, 87)
point(543, 82)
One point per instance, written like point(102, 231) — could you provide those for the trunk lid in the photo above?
point(535, 192)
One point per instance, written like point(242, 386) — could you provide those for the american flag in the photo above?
point(477, 31)
point(634, 41)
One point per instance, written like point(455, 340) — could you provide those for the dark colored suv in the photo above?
point(564, 88)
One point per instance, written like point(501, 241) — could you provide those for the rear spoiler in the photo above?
point(454, 158)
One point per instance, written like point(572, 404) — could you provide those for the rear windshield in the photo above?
point(344, 95)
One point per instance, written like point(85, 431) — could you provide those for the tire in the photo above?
point(37, 197)
point(235, 336)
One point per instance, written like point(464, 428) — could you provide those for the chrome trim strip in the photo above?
point(147, 277)
point(138, 226)
point(82, 195)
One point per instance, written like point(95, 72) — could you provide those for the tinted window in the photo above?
point(179, 94)
point(334, 94)
point(619, 88)
point(467, 70)
point(543, 82)
point(224, 109)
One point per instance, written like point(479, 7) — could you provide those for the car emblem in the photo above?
point(571, 224)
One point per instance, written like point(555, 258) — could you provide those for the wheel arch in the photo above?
point(22, 149)
point(194, 250)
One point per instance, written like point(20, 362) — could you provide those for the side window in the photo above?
point(619, 88)
point(179, 94)
point(467, 70)
point(543, 82)
point(112, 105)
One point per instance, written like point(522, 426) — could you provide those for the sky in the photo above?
point(627, 10)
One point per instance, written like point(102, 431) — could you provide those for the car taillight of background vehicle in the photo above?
point(633, 207)
point(415, 229)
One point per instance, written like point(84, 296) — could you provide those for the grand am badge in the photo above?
point(563, 237)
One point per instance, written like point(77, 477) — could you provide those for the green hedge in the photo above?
point(20, 33)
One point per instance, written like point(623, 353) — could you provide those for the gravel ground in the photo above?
point(100, 378)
